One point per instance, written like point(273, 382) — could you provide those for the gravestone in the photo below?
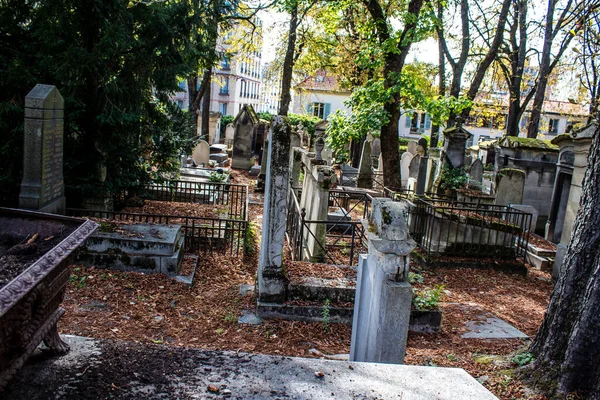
point(510, 184)
point(383, 295)
point(271, 276)
point(455, 144)
point(244, 138)
point(530, 210)
point(42, 187)
point(412, 148)
point(405, 161)
point(229, 133)
point(376, 148)
point(365, 175)
point(201, 153)
point(476, 171)
point(413, 167)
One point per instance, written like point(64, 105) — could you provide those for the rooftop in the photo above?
point(321, 81)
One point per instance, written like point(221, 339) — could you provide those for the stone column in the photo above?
point(383, 295)
point(365, 175)
point(42, 187)
point(318, 179)
point(271, 277)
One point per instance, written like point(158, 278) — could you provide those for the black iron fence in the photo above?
point(233, 195)
point(201, 234)
point(337, 241)
point(349, 178)
point(473, 230)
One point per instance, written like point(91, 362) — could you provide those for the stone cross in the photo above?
point(42, 187)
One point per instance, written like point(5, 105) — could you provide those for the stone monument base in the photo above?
point(56, 206)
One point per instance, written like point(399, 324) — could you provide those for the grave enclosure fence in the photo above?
point(223, 234)
point(440, 225)
point(336, 242)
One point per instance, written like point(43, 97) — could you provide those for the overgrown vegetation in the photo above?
point(428, 298)
point(452, 178)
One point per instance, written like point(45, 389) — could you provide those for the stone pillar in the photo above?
point(365, 175)
point(42, 187)
point(383, 295)
point(318, 179)
point(422, 177)
point(271, 277)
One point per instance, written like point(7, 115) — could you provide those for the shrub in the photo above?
point(428, 298)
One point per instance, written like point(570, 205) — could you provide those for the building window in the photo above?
point(320, 110)
point(223, 108)
point(180, 104)
point(225, 86)
point(225, 63)
point(553, 125)
point(182, 85)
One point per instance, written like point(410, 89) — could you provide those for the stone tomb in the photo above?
point(142, 248)
point(42, 187)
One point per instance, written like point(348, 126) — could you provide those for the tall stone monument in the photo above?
point(365, 175)
point(42, 187)
point(271, 276)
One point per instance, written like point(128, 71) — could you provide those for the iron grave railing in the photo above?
point(335, 241)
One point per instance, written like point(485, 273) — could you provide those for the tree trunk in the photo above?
point(206, 107)
point(490, 56)
point(288, 64)
point(567, 345)
point(540, 94)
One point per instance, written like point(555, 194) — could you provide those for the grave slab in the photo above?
point(492, 328)
point(188, 373)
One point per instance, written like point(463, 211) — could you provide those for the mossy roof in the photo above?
point(528, 143)
point(486, 144)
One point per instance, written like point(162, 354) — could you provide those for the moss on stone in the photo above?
point(530, 143)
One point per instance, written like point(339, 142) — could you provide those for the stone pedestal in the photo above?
point(271, 277)
point(42, 187)
point(383, 296)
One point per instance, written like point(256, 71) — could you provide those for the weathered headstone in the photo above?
point(412, 148)
point(454, 145)
point(376, 148)
point(476, 171)
point(201, 153)
point(383, 296)
point(405, 161)
point(365, 174)
point(244, 138)
point(42, 187)
point(413, 167)
point(530, 210)
point(229, 133)
point(271, 277)
point(510, 184)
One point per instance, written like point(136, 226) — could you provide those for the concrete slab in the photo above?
point(106, 368)
point(156, 240)
point(492, 328)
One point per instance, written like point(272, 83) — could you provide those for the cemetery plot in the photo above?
point(212, 216)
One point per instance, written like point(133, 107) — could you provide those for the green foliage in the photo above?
point(307, 121)
point(115, 63)
point(415, 277)
point(225, 120)
point(325, 313)
point(251, 239)
point(429, 298)
point(217, 177)
point(523, 359)
point(453, 178)
point(267, 116)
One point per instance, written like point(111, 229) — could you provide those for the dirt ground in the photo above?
point(156, 309)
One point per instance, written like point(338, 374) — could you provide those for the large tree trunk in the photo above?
point(288, 64)
point(567, 345)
